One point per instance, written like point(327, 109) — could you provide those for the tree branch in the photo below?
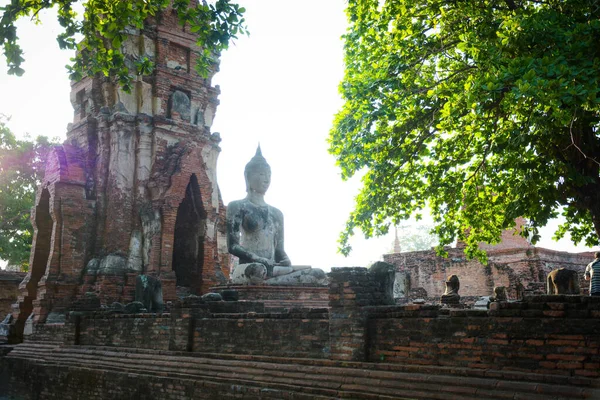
point(585, 156)
point(6, 223)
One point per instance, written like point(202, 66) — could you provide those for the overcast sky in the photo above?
point(278, 87)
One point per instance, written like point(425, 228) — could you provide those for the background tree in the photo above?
point(21, 168)
point(483, 111)
point(416, 237)
point(99, 35)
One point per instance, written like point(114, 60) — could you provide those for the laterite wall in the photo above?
point(559, 335)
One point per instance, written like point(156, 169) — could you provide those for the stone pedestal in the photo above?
point(450, 299)
point(277, 298)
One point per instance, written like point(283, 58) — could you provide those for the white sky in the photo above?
point(278, 87)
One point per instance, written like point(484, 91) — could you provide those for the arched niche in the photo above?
point(188, 243)
point(179, 106)
point(41, 253)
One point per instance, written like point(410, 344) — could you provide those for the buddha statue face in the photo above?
point(258, 180)
point(257, 174)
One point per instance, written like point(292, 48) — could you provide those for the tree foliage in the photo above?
point(482, 111)
point(104, 28)
point(21, 168)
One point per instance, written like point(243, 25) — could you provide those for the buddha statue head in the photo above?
point(257, 174)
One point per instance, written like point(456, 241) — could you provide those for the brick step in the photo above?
point(543, 375)
point(325, 378)
point(272, 374)
point(231, 378)
point(334, 386)
point(510, 375)
point(37, 352)
point(180, 362)
point(222, 386)
point(505, 375)
point(276, 387)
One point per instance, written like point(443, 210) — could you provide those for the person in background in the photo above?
point(592, 274)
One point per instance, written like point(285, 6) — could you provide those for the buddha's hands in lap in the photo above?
point(283, 263)
point(270, 264)
point(264, 261)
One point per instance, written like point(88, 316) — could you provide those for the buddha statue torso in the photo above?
point(260, 229)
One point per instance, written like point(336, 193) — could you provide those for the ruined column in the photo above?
point(350, 291)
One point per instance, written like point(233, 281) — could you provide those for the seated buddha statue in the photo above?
point(255, 232)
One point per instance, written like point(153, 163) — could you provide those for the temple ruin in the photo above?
point(130, 203)
point(513, 263)
point(133, 190)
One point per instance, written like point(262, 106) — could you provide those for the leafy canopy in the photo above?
point(482, 111)
point(21, 168)
point(104, 29)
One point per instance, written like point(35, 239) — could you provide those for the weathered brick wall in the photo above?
point(303, 334)
point(543, 334)
point(268, 292)
point(47, 333)
point(508, 266)
point(550, 260)
point(126, 330)
point(547, 334)
point(552, 335)
point(298, 333)
point(350, 291)
point(279, 298)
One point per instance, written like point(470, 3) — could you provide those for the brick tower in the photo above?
point(133, 189)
